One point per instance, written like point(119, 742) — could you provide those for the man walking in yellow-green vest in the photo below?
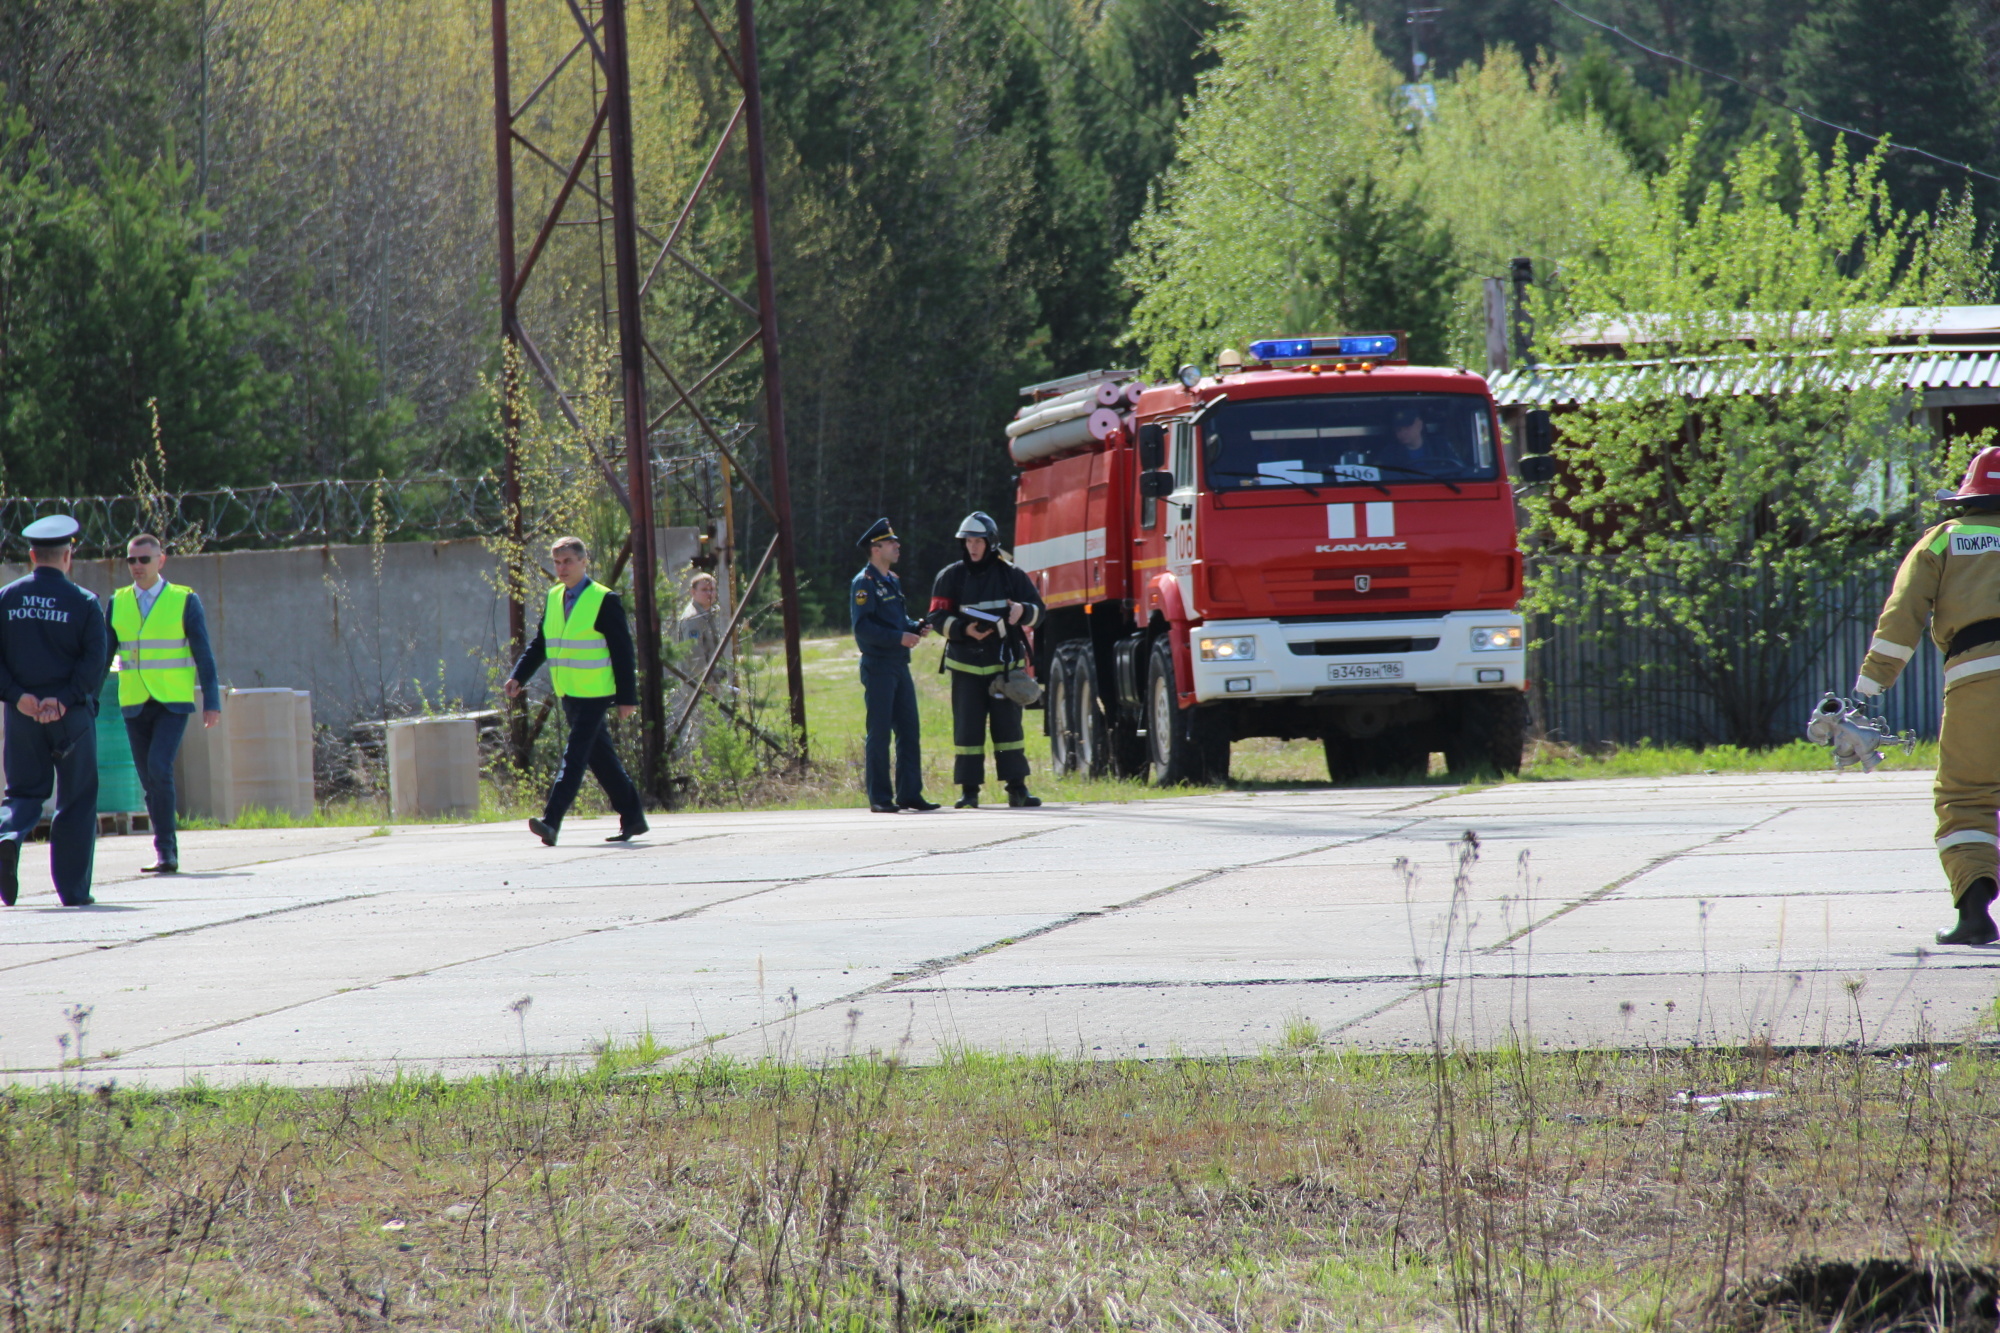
point(588, 646)
point(160, 639)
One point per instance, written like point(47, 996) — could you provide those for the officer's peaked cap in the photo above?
point(55, 530)
point(880, 531)
point(978, 523)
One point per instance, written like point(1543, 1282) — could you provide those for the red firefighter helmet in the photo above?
point(1982, 478)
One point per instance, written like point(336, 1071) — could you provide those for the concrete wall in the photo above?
point(317, 618)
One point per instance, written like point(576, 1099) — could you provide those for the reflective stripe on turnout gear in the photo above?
point(1978, 666)
point(1948, 582)
point(971, 670)
point(1967, 785)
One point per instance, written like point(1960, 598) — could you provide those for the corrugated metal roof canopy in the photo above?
point(1951, 322)
point(1937, 368)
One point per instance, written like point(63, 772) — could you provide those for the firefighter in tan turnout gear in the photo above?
point(1952, 578)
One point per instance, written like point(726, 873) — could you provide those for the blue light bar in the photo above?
point(1361, 346)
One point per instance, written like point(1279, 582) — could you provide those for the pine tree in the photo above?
point(1909, 69)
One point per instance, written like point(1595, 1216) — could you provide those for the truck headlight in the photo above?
point(1497, 639)
point(1229, 650)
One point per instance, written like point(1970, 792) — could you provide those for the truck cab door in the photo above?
point(1181, 509)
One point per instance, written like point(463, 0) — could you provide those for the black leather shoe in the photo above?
point(544, 830)
point(10, 871)
point(1975, 923)
point(969, 801)
point(163, 868)
point(875, 809)
point(627, 832)
point(919, 804)
point(1018, 798)
point(82, 902)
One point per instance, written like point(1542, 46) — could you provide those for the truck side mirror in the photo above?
point(1156, 485)
point(1152, 446)
point(1541, 433)
point(1538, 467)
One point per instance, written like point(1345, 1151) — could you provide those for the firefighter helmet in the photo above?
point(1982, 479)
point(981, 524)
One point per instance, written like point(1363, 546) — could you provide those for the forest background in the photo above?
point(272, 220)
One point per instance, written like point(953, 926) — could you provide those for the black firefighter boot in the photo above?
point(968, 801)
point(1017, 796)
point(1975, 924)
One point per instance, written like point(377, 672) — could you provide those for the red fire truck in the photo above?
point(1315, 542)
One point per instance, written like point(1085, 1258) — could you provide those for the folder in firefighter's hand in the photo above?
point(977, 614)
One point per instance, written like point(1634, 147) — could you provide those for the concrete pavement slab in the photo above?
point(682, 981)
point(1090, 1023)
point(1710, 873)
point(1200, 924)
point(1663, 1012)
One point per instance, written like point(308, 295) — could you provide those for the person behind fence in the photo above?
point(981, 604)
point(699, 632)
point(52, 662)
point(885, 633)
point(588, 646)
point(701, 623)
point(159, 638)
point(1951, 578)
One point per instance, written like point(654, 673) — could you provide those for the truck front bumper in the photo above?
point(1291, 660)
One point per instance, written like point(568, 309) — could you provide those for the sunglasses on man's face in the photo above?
point(138, 559)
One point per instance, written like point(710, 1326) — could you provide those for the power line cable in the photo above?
point(1893, 147)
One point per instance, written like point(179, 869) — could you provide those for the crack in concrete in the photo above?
point(1617, 884)
point(560, 939)
point(935, 966)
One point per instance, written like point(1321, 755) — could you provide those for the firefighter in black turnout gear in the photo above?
point(981, 605)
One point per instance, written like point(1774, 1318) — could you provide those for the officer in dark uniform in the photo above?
point(52, 662)
point(886, 633)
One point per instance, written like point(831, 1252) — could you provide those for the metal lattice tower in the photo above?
point(605, 157)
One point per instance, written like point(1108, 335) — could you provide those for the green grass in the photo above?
point(1304, 1188)
point(1554, 764)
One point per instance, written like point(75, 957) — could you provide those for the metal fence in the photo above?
point(1598, 680)
point(291, 514)
point(431, 507)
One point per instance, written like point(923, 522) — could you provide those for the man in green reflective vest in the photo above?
point(588, 646)
point(160, 640)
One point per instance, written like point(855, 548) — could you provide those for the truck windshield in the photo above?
point(1349, 440)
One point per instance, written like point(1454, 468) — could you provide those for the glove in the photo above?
point(1865, 687)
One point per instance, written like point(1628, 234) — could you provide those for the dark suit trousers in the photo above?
point(891, 699)
point(57, 758)
point(589, 747)
point(155, 736)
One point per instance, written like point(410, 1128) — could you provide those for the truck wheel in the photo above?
point(1093, 736)
point(1173, 754)
point(1061, 709)
point(1347, 759)
point(1489, 733)
point(1130, 757)
point(1211, 742)
point(1402, 757)
point(1392, 755)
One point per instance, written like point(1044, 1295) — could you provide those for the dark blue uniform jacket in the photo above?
point(880, 616)
point(52, 640)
